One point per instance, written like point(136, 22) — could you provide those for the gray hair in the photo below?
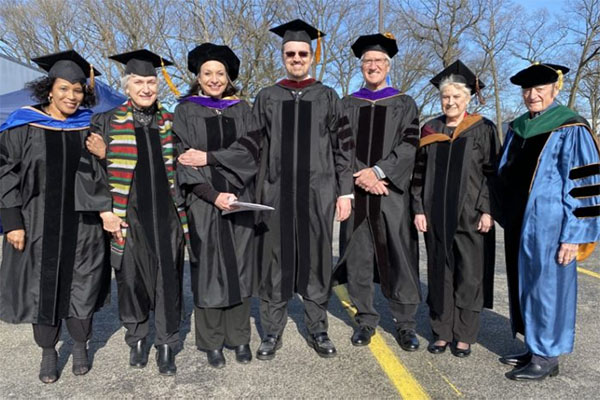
point(125, 82)
point(388, 58)
point(451, 80)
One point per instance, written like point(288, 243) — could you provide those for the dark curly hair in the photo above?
point(41, 88)
point(230, 90)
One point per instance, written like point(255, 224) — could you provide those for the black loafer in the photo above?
point(322, 345)
point(268, 347)
point(48, 366)
point(165, 360)
point(81, 365)
point(435, 349)
point(362, 336)
point(243, 355)
point(138, 355)
point(407, 339)
point(461, 353)
point(516, 360)
point(532, 372)
point(215, 358)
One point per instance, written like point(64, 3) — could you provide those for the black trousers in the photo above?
point(137, 331)
point(46, 336)
point(454, 323)
point(274, 315)
point(216, 327)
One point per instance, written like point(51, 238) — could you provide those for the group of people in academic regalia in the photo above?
point(129, 188)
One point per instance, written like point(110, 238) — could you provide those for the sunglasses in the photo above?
point(292, 54)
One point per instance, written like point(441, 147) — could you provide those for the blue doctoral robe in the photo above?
point(562, 207)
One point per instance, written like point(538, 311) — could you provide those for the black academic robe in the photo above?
point(152, 261)
point(451, 186)
point(305, 164)
point(386, 133)
point(221, 247)
point(48, 182)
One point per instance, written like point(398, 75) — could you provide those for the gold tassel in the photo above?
point(389, 35)
point(168, 79)
point(92, 80)
point(318, 50)
point(560, 79)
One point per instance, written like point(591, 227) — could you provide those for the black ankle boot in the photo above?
point(48, 366)
point(81, 364)
point(165, 359)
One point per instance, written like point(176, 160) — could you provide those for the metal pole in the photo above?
point(381, 16)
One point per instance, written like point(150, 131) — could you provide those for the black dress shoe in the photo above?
point(435, 349)
point(81, 365)
point(362, 336)
point(407, 339)
point(516, 360)
point(165, 360)
point(461, 353)
point(48, 366)
point(322, 345)
point(268, 347)
point(243, 355)
point(138, 355)
point(532, 372)
point(215, 358)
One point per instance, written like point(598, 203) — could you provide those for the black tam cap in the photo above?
point(462, 74)
point(379, 42)
point(68, 65)
point(207, 52)
point(539, 74)
point(297, 31)
point(141, 62)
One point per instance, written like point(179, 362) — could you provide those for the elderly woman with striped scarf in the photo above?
point(147, 227)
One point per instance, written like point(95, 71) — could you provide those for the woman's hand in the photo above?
point(343, 208)
point(193, 158)
point(224, 200)
point(16, 238)
point(567, 253)
point(113, 224)
point(95, 145)
point(486, 222)
point(421, 222)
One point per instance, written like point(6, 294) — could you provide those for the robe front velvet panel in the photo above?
point(451, 187)
point(221, 247)
point(553, 215)
point(62, 271)
point(307, 150)
point(386, 133)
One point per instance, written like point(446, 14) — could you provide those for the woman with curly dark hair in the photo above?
point(53, 264)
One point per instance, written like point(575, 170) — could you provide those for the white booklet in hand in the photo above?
point(243, 206)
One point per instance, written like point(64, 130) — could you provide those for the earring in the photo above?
point(49, 99)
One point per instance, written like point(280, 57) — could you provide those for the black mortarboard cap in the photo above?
point(461, 74)
point(68, 65)
point(539, 74)
point(297, 31)
point(209, 51)
point(380, 42)
point(141, 62)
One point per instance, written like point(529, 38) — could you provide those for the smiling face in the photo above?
point(297, 58)
point(66, 97)
point(540, 97)
point(213, 78)
point(375, 67)
point(454, 101)
point(142, 90)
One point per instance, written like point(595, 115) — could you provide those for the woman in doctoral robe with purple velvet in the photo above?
point(222, 258)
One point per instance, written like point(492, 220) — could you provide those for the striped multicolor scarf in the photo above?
point(122, 159)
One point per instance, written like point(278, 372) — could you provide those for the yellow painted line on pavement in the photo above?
point(458, 392)
point(406, 385)
point(588, 272)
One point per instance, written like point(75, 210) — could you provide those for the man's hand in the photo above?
point(379, 189)
point(365, 178)
point(343, 208)
point(486, 222)
point(224, 200)
point(113, 224)
point(16, 238)
point(95, 145)
point(567, 253)
point(193, 158)
point(421, 222)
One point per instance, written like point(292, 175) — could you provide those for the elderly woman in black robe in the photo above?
point(53, 257)
point(451, 201)
point(222, 257)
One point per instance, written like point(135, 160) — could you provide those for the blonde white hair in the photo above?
point(451, 80)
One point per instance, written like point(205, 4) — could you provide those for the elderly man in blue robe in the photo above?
point(548, 187)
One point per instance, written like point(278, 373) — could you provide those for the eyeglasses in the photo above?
point(292, 54)
point(377, 61)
